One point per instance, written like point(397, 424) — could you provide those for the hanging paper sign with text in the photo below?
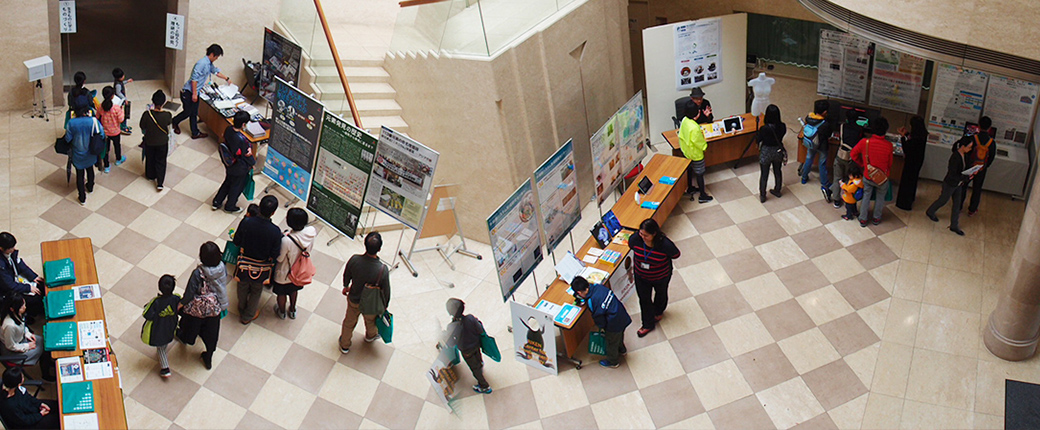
point(606, 159)
point(295, 127)
point(843, 66)
point(1010, 103)
point(341, 173)
point(401, 177)
point(557, 188)
point(67, 16)
point(957, 98)
point(896, 80)
point(698, 53)
point(515, 241)
point(174, 31)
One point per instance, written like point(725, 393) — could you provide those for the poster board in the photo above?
point(1010, 103)
point(295, 127)
point(843, 66)
point(606, 159)
point(534, 337)
point(443, 378)
point(515, 242)
point(341, 173)
point(698, 53)
point(623, 282)
point(631, 121)
point(401, 177)
point(957, 98)
point(895, 82)
point(440, 217)
point(557, 188)
point(281, 58)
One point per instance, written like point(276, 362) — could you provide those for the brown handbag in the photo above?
point(251, 269)
point(875, 174)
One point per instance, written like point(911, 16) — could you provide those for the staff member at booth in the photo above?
point(652, 254)
point(698, 108)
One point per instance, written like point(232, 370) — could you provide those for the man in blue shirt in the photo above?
point(190, 93)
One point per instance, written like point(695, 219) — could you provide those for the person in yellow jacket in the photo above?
point(693, 145)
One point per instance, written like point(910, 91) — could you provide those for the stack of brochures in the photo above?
point(59, 336)
point(60, 304)
point(59, 272)
point(77, 397)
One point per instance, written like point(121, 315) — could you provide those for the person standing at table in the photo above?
point(874, 151)
point(209, 278)
point(190, 93)
point(817, 132)
point(953, 182)
point(771, 151)
point(18, 277)
point(155, 125)
point(260, 242)
point(20, 410)
point(652, 254)
point(237, 160)
point(914, 141)
point(363, 271)
point(693, 144)
point(609, 314)
point(985, 151)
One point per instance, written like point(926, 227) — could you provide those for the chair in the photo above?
point(251, 71)
point(680, 110)
point(28, 383)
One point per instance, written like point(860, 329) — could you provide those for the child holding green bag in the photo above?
point(466, 333)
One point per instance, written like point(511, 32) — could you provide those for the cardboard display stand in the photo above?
point(440, 220)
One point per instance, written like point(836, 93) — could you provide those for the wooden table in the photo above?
point(630, 214)
point(575, 333)
point(218, 123)
point(725, 148)
point(108, 396)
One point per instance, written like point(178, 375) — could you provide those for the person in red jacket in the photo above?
point(879, 156)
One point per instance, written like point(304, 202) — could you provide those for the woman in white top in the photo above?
point(299, 239)
point(18, 339)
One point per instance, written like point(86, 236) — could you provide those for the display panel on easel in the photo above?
point(295, 127)
point(401, 177)
point(281, 58)
point(341, 173)
point(557, 188)
point(515, 242)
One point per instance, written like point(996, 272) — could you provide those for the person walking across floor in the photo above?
point(953, 182)
point(771, 151)
point(364, 275)
point(160, 315)
point(985, 151)
point(111, 116)
point(815, 136)
point(914, 142)
point(190, 93)
point(693, 144)
point(155, 125)
point(119, 81)
point(20, 410)
point(850, 133)
point(874, 156)
point(296, 244)
point(465, 332)
point(205, 302)
point(609, 314)
point(16, 277)
point(79, 131)
point(236, 154)
point(260, 242)
point(652, 254)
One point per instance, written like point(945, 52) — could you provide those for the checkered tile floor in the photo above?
point(781, 314)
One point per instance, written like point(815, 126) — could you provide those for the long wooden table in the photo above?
point(631, 214)
point(218, 123)
point(725, 148)
point(108, 395)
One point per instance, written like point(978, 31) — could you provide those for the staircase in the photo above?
point(370, 84)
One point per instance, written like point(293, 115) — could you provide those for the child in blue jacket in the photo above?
point(609, 314)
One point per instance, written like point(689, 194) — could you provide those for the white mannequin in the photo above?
point(761, 86)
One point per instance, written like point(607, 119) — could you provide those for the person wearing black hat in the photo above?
point(699, 108)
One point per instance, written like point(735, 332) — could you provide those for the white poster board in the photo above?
point(957, 98)
point(515, 242)
point(631, 123)
point(67, 16)
point(606, 159)
point(843, 66)
point(557, 188)
point(896, 80)
point(401, 177)
point(534, 337)
point(622, 281)
point(174, 31)
point(1010, 103)
point(443, 377)
point(698, 53)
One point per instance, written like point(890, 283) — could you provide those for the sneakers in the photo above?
point(234, 211)
point(863, 223)
point(957, 230)
point(82, 202)
point(705, 198)
point(837, 204)
point(108, 169)
point(124, 132)
point(876, 221)
point(659, 317)
point(164, 372)
point(158, 188)
point(343, 350)
point(372, 339)
point(826, 193)
point(121, 160)
point(291, 314)
point(279, 313)
point(971, 212)
point(485, 390)
point(846, 217)
point(215, 207)
point(606, 363)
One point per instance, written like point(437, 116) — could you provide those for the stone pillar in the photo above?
point(1014, 327)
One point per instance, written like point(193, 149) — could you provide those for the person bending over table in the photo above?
point(190, 93)
point(609, 314)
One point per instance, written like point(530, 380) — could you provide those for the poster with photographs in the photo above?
point(281, 58)
point(896, 80)
point(515, 242)
point(1010, 103)
point(295, 127)
point(698, 53)
point(534, 337)
point(341, 174)
point(401, 177)
point(957, 98)
point(843, 66)
point(557, 187)
point(631, 123)
point(606, 159)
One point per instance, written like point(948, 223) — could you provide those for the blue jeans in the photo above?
point(807, 166)
point(864, 203)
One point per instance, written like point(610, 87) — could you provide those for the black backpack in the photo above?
point(97, 139)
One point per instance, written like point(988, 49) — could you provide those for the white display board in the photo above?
point(401, 177)
point(515, 242)
point(698, 53)
point(896, 80)
point(1010, 103)
point(174, 31)
point(67, 16)
point(606, 159)
point(843, 66)
point(631, 123)
point(727, 97)
point(557, 187)
point(957, 98)
point(534, 337)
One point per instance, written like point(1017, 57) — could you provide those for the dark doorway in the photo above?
point(128, 34)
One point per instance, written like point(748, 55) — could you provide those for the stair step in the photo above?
point(361, 90)
point(354, 74)
point(378, 107)
point(349, 62)
point(373, 123)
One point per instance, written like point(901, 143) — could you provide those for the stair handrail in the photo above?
point(339, 64)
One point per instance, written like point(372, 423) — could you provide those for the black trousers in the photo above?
point(206, 328)
point(113, 144)
point(653, 299)
point(189, 111)
point(476, 365)
point(976, 192)
point(88, 185)
point(230, 189)
point(155, 163)
point(50, 421)
point(777, 163)
point(958, 201)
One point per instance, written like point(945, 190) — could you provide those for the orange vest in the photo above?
point(982, 151)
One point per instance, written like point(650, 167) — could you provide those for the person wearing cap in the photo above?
point(609, 314)
point(464, 333)
point(698, 108)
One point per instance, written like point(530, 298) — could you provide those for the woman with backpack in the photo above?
point(205, 302)
point(294, 268)
point(236, 154)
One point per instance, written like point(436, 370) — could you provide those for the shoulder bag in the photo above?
point(372, 297)
point(205, 303)
point(97, 139)
point(171, 138)
point(251, 269)
point(875, 174)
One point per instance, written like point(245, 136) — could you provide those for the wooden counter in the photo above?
point(725, 148)
point(108, 395)
point(217, 124)
point(630, 214)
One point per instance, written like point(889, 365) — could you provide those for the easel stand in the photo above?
point(440, 220)
point(748, 146)
point(39, 101)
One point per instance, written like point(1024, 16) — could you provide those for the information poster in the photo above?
point(174, 31)
point(443, 378)
point(557, 188)
point(534, 337)
point(957, 98)
point(1010, 103)
point(515, 241)
point(896, 80)
point(401, 177)
point(622, 281)
point(843, 67)
point(295, 127)
point(606, 159)
point(341, 173)
point(631, 122)
point(698, 53)
point(281, 58)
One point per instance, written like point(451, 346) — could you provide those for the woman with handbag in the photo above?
point(205, 302)
point(78, 133)
point(874, 155)
point(771, 151)
point(155, 125)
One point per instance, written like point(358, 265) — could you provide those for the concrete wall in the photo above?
point(25, 24)
point(675, 11)
point(494, 121)
point(236, 25)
